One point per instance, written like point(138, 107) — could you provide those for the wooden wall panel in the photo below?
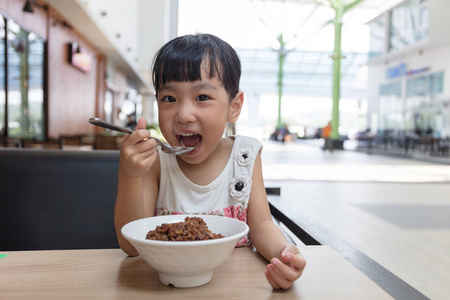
point(101, 86)
point(72, 93)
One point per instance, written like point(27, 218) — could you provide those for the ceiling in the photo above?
point(378, 6)
point(308, 72)
point(75, 14)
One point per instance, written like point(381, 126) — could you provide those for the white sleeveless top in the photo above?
point(227, 195)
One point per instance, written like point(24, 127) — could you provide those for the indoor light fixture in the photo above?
point(28, 7)
point(63, 23)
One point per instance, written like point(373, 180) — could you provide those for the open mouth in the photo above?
point(189, 139)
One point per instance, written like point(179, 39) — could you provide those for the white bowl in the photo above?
point(189, 263)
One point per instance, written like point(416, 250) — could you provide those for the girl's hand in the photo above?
point(136, 154)
point(281, 274)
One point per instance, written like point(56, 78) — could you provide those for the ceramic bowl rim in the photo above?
point(144, 241)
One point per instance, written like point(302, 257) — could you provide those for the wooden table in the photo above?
point(100, 274)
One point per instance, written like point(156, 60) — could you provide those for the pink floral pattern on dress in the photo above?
point(235, 212)
point(228, 212)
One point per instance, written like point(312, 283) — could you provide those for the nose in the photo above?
point(185, 112)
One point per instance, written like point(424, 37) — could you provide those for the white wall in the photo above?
point(439, 22)
point(136, 29)
point(433, 53)
point(157, 24)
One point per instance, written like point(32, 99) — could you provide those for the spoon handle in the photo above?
point(104, 124)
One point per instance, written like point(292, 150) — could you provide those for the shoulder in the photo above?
point(248, 141)
point(247, 151)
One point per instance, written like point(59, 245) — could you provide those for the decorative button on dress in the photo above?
point(227, 195)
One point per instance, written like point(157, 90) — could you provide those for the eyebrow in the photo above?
point(203, 85)
point(166, 87)
point(196, 87)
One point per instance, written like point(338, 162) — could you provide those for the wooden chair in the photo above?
point(77, 142)
point(8, 142)
point(71, 140)
point(105, 142)
point(46, 144)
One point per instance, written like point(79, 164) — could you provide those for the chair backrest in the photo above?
point(53, 199)
point(71, 140)
point(8, 142)
point(105, 142)
point(47, 144)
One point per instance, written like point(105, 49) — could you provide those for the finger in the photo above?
point(285, 271)
point(142, 124)
point(134, 153)
point(144, 151)
point(142, 161)
point(148, 159)
point(270, 279)
point(290, 248)
point(145, 145)
point(138, 136)
point(278, 277)
point(297, 261)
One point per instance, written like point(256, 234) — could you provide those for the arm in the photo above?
point(286, 262)
point(137, 182)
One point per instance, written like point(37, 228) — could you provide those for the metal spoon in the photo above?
point(176, 150)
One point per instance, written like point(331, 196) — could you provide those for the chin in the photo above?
point(194, 157)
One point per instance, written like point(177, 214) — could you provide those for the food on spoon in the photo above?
point(192, 229)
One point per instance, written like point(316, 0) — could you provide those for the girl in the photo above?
point(196, 79)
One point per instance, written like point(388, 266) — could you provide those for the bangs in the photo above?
point(184, 58)
point(181, 68)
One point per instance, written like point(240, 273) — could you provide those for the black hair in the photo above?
point(183, 58)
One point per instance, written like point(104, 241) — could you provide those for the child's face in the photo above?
point(195, 114)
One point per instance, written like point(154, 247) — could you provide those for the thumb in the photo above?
point(142, 124)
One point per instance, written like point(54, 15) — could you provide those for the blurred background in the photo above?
point(375, 70)
point(64, 61)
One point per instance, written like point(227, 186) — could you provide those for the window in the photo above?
point(22, 93)
point(377, 35)
point(35, 86)
point(2, 78)
point(421, 107)
point(409, 24)
point(391, 107)
point(429, 85)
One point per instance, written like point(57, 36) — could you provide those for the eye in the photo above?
point(202, 98)
point(168, 99)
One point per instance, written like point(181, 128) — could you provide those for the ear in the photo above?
point(235, 107)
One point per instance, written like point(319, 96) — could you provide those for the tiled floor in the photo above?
point(396, 211)
point(412, 216)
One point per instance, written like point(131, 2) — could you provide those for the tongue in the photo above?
point(192, 140)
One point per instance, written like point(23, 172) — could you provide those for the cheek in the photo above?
point(217, 117)
point(165, 113)
point(164, 121)
point(216, 125)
